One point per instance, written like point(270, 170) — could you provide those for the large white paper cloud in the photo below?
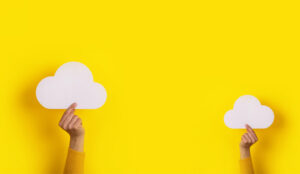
point(72, 82)
point(248, 110)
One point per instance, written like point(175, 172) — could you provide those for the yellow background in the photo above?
point(171, 70)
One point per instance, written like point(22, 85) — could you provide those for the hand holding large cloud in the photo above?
point(73, 82)
point(248, 110)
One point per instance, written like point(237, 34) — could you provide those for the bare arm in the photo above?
point(248, 139)
point(73, 126)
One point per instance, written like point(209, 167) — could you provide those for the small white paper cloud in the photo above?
point(72, 82)
point(248, 110)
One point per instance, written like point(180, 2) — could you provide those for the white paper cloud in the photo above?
point(248, 110)
point(72, 82)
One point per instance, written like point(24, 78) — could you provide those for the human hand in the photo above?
point(248, 139)
point(71, 123)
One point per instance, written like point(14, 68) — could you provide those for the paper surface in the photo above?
point(72, 82)
point(248, 110)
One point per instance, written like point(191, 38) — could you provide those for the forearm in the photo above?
point(77, 142)
point(75, 158)
point(72, 124)
point(246, 166)
point(245, 152)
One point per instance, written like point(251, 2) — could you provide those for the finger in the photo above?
point(68, 110)
point(67, 122)
point(67, 117)
point(72, 106)
point(243, 139)
point(249, 129)
point(248, 138)
point(72, 122)
point(78, 123)
point(252, 138)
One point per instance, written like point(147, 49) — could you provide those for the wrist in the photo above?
point(76, 137)
point(244, 147)
point(76, 142)
point(245, 152)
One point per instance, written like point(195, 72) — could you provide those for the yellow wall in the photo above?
point(171, 70)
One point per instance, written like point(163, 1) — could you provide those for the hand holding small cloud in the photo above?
point(72, 82)
point(248, 110)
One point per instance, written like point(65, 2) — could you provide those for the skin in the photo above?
point(72, 124)
point(248, 139)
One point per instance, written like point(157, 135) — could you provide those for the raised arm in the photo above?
point(248, 139)
point(73, 126)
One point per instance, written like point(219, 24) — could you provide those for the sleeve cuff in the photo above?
point(74, 162)
point(246, 166)
point(76, 153)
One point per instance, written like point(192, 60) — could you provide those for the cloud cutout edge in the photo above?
point(72, 82)
point(248, 110)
